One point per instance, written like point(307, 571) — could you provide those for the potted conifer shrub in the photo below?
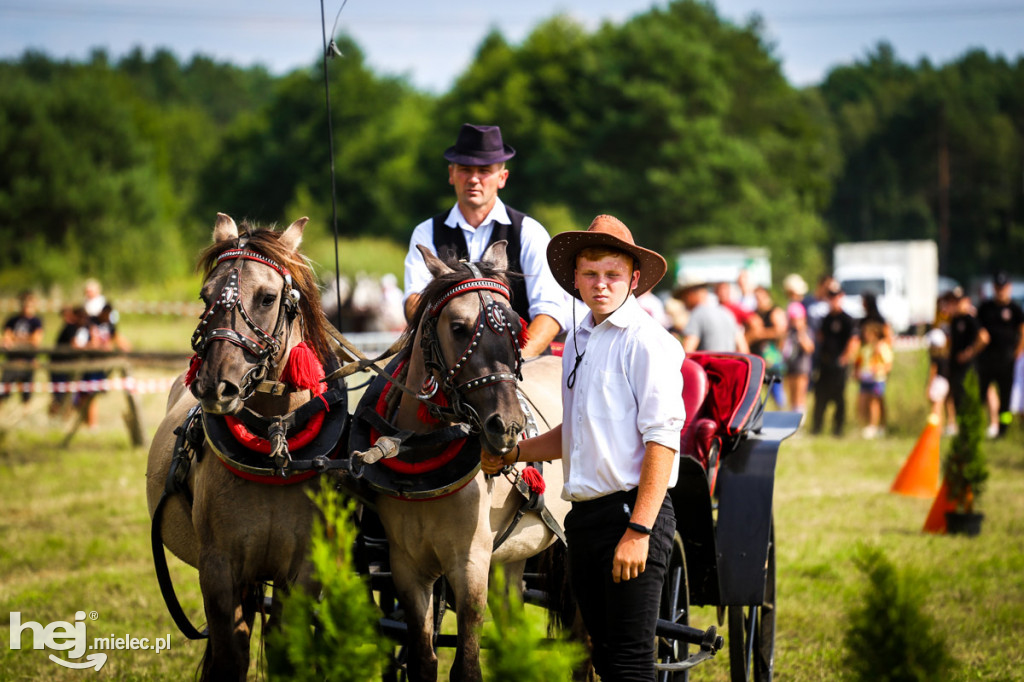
point(964, 467)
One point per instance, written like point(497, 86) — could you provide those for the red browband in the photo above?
point(466, 286)
point(246, 254)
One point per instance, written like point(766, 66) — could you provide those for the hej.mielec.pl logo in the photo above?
point(71, 637)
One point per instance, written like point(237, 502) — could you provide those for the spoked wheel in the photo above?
point(752, 631)
point(675, 607)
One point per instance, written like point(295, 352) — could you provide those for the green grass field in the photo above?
point(74, 536)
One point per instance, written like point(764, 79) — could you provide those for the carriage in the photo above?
point(271, 420)
point(724, 549)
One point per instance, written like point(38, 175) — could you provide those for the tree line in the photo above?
point(678, 121)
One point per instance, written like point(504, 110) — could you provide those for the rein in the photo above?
point(266, 346)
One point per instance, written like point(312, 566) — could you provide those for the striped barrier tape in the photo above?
point(183, 308)
point(129, 384)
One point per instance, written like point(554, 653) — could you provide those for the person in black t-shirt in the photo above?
point(837, 346)
point(1003, 319)
point(22, 331)
point(967, 339)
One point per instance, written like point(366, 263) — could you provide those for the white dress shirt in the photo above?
point(628, 392)
point(546, 297)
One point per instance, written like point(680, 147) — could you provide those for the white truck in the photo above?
point(903, 274)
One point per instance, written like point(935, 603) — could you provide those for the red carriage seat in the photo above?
point(721, 392)
point(699, 432)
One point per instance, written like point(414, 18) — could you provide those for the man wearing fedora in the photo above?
point(622, 417)
point(476, 169)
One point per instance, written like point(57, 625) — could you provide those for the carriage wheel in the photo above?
point(752, 631)
point(675, 607)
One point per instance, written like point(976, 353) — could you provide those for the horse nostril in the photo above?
point(226, 389)
point(495, 425)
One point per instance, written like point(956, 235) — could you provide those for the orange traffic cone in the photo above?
point(936, 521)
point(919, 476)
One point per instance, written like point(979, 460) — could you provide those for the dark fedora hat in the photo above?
point(479, 146)
point(607, 231)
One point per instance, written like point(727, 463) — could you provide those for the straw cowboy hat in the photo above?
point(606, 231)
point(479, 146)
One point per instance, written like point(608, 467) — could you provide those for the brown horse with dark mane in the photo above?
point(243, 518)
point(462, 355)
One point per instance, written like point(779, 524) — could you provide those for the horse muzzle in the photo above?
point(220, 398)
point(500, 436)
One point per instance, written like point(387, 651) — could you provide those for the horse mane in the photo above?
point(266, 241)
point(438, 286)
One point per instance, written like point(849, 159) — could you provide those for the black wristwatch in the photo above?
point(639, 529)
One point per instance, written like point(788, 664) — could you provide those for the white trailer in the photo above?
point(903, 274)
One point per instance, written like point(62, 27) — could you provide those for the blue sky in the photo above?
point(432, 41)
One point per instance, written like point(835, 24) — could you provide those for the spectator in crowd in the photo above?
point(23, 331)
point(1002, 318)
point(798, 346)
point(73, 336)
point(748, 295)
point(711, 326)
point(727, 299)
point(765, 339)
point(476, 169)
point(94, 298)
point(103, 336)
point(837, 345)
point(938, 372)
point(873, 365)
point(869, 300)
point(967, 339)
point(945, 311)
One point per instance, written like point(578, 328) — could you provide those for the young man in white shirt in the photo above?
point(622, 417)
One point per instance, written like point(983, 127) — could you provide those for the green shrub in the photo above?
point(517, 646)
point(889, 637)
point(334, 637)
point(964, 467)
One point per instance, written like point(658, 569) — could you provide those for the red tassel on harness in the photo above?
point(534, 479)
point(524, 335)
point(193, 369)
point(424, 412)
point(304, 370)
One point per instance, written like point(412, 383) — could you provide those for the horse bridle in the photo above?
point(492, 317)
point(266, 346)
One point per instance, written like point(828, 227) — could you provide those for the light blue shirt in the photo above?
point(628, 392)
point(546, 297)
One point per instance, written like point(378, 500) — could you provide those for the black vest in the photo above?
point(450, 241)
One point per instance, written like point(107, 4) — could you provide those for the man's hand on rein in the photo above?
point(491, 463)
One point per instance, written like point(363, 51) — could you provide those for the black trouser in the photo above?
point(620, 617)
point(830, 387)
point(999, 371)
point(957, 376)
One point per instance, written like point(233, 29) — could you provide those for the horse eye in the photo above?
point(268, 300)
point(458, 328)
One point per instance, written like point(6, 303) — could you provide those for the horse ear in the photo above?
point(435, 265)
point(496, 256)
point(224, 228)
point(292, 237)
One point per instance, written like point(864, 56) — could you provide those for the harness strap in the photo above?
point(531, 502)
point(327, 400)
point(175, 483)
